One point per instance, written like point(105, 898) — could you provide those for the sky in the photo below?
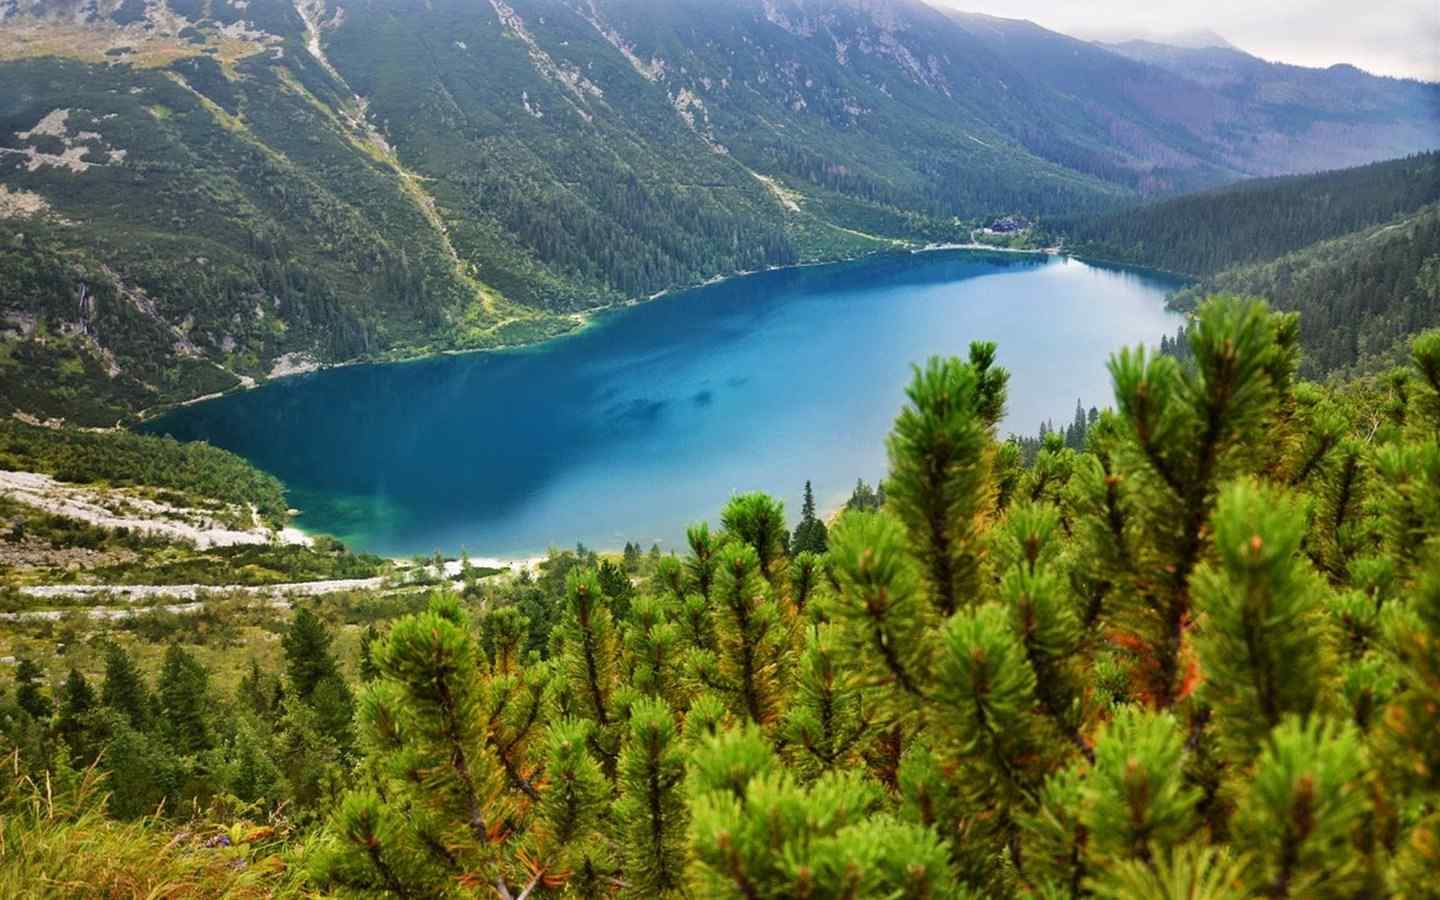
point(1387, 37)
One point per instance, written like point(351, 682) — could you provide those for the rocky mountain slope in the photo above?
point(195, 194)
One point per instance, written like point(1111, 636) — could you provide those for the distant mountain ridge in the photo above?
point(198, 193)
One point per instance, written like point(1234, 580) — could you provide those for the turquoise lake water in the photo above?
point(648, 420)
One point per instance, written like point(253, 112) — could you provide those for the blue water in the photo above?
point(648, 420)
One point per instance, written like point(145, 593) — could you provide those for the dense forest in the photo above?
point(1196, 658)
point(1183, 645)
point(1361, 296)
point(1355, 251)
point(1204, 233)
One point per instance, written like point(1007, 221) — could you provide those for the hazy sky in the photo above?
point(1388, 37)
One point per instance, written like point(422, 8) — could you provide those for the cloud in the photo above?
point(1397, 37)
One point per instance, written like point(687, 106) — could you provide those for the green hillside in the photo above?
point(1203, 233)
point(1361, 296)
point(1356, 251)
point(188, 247)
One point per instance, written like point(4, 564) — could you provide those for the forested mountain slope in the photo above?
point(1357, 251)
point(1256, 117)
point(201, 192)
point(1202, 233)
point(1360, 296)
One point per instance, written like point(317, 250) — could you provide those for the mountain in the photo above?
point(1314, 118)
point(1194, 39)
point(201, 193)
point(1218, 109)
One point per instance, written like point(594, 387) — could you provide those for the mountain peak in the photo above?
point(1197, 39)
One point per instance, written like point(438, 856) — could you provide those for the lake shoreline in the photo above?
point(584, 320)
point(488, 452)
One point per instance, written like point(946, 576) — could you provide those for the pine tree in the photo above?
point(368, 670)
point(654, 651)
point(183, 702)
point(990, 750)
point(747, 668)
point(632, 557)
point(652, 807)
point(888, 627)
point(757, 833)
point(334, 707)
point(309, 759)
point(1184, 432)
point(701, 563)
point(308, 660)
point(1075, 434)
point(810, 534)
point(1301, 814)
point(249, 773)
point(124, 690)
point(806, 583)
point(144, 775)
point(73, 722)
point(759, 521)
point(940, 454)
point(515, 697)
point(616, 585)
point(1261, 644)
point(1410, 756)
point(670, 579)
point(1043, 613)
point(826, 724)
point(591, 666)
point(864, 498)
point(571, 831)
point(255, 692)
point(446, 809)
point(1136, 798)
point(29, 693)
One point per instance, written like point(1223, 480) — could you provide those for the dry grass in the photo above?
point(56, 841)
